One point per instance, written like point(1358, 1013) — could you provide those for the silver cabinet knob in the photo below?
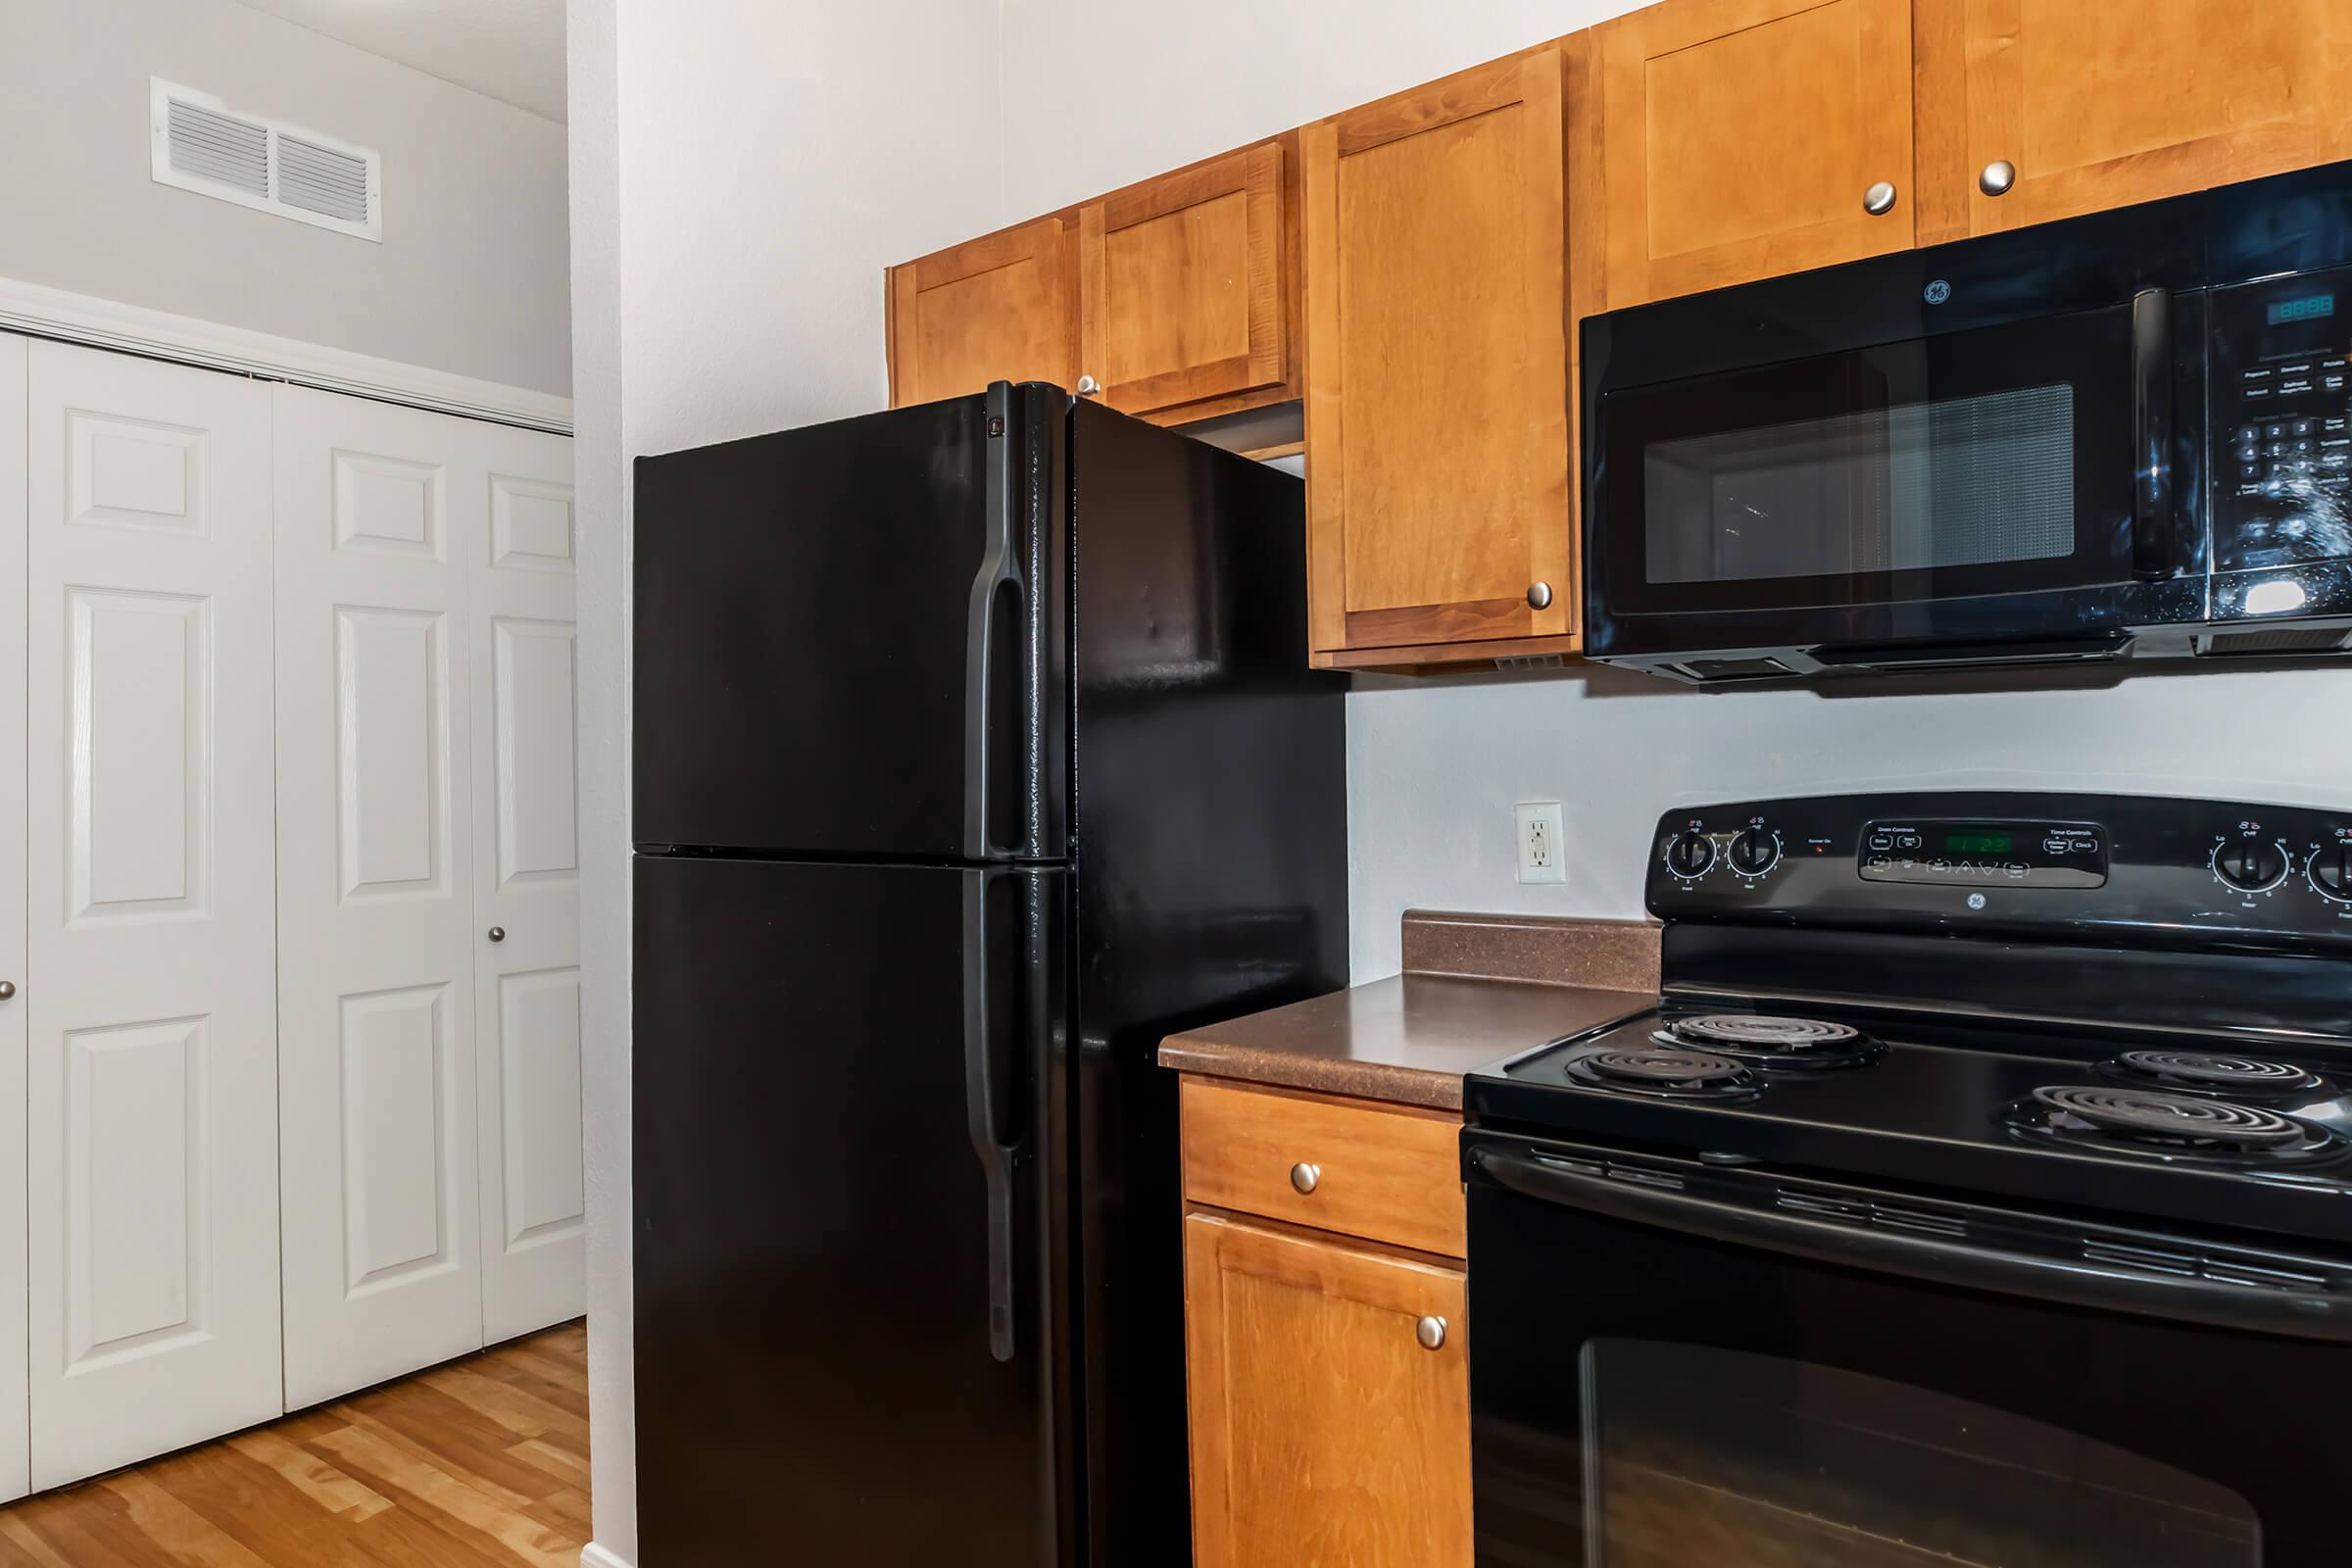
point(1431, 1332)
point(1539, 596)
point(1305, 1177)
point(1878, 200)
point(1998, 176)
point(8, 990)
point(498, 933)
point(1088, 387)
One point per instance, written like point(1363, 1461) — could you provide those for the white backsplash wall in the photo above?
point(1434, 766)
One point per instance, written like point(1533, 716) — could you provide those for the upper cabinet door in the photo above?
point(2032, 110)
point(1436, 366)
point(997, 309)
point(1744, 138)
point(1184, 288)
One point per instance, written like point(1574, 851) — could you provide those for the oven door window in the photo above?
point(1647, 1397)
point(1705, 1455)
point(1993, 460)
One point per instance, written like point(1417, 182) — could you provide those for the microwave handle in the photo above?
point(2154, 532)
point(2079, 1281)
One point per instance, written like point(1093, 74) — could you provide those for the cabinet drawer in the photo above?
point(1389, 1174)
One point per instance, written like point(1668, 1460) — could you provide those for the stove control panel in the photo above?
point(2179, 871)
point(2008, 853)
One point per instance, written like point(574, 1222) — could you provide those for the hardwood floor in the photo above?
point(480, 1463)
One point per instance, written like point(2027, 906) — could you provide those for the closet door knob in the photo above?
point(1878, 200)
point(498, 933)
point(8, 990)
point(1997, 177)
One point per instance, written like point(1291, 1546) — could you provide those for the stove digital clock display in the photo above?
point(1978, 842)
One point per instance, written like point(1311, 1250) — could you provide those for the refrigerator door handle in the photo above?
point(981, 1111)
point(998, 586)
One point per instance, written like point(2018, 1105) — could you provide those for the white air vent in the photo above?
point(201, 144)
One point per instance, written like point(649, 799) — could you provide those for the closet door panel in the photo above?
point(14, 1463)
point(526, 887)
point(381, 512)
point(152, 1078)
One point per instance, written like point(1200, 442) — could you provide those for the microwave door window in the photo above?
point(1912, 487)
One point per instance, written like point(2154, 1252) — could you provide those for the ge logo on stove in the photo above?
point(1937, 292)
point(1976, 900)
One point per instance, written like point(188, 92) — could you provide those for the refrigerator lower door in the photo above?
point(849, 1329)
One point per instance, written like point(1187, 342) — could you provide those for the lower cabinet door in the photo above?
point(526, 886)
point(1328, 1430)
point(152, 1017)
point(381, 511)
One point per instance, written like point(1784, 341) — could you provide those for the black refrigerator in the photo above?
point(975, 748)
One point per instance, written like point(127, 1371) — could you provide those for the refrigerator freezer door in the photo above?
point(849, 638)
point(849, 1318)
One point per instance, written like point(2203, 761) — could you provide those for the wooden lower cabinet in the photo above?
point(1326, 1432)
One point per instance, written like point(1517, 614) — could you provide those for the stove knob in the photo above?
point(1755, 851)
point(2330, 872)
point(2251, 866)
point(1690, 855)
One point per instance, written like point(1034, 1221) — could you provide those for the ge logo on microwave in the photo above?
point(1938, 291)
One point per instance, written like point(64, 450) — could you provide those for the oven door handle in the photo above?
point(2075, 1282)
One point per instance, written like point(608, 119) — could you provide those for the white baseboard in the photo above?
point(104, 324)
point(595, 1557)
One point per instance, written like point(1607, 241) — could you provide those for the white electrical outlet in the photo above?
point(1543, 855)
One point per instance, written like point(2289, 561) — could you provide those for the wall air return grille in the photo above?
point(201, 144)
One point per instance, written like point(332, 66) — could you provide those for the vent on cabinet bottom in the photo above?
point(2284, 640)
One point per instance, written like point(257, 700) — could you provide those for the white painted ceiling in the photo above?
point(510, 49)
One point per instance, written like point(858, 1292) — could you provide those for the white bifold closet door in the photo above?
point(150, 1004)
point(15, 1435)
point(430, 1104)
point(377, 515)
point(526, 886)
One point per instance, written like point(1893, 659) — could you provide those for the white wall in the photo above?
point(1097, 95)
point(471, 277)
point(1434, 766)
point(741, 179)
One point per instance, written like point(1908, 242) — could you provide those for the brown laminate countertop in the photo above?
point(1407, 1040)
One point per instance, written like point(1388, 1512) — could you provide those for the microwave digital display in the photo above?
point(2309, 307)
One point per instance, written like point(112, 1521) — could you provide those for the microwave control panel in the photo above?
point(2282, 421)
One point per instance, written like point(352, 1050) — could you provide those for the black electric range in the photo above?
point(1980, 1194)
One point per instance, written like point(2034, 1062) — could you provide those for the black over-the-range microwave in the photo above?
point(2115, 436)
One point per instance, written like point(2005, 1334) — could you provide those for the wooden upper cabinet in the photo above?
point(1323, 1430)
point(997, 309)
point(1741, 138)
point(1187, 288)
point(1437, 368)
point(2096, 104)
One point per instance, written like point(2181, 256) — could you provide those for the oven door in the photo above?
point(1992, 484)
point(1679, 1364)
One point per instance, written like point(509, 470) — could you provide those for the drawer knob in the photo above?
point(1878, 200)
point(1088, 387)
point(1305, 1177)
point(1539, 596)
point(1431, 1332)
point(1997, 177)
